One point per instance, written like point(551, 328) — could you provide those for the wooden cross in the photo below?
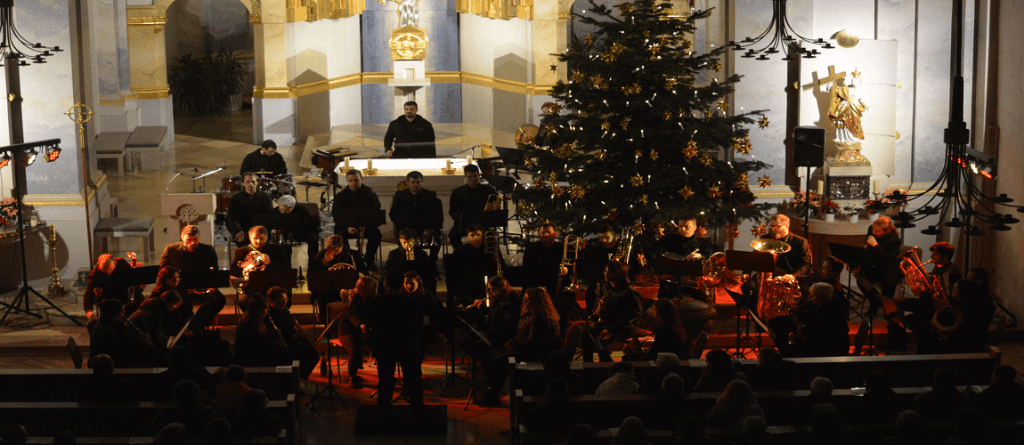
point(832, 77)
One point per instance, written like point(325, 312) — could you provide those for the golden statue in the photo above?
point(845, 111)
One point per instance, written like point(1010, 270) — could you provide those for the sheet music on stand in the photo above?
point(480, 335)
point(174, 340)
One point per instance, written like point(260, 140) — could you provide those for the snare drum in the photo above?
point(231, 184)
point(223, 200)
point(265, 184)
point(285, 185)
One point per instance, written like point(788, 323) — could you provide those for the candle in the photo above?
point(346, 162)
point(448, 164)
point(875, 187)
point(821, 187)
point(469, 160)
point(369, 164)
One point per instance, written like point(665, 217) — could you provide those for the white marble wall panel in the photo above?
point(477, 104)
point(377, 108)
point(346, 105)
point(103, 35)
point(156, 112)
point(498, 48)
point(274, 119)
point(892, 24)
point(832, 16)
point(336, 39)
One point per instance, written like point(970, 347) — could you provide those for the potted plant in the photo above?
point(852, 212)
point(802, 202)
point(204, 84)
point(828, 210)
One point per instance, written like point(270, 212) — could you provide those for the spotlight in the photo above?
point(52, 153)
point(30, 157)
point(6, 160)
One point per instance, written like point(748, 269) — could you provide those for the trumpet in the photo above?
point(570, 253)
point(491, 247)
point(493, 202)
point(622, 252)
point(410, 254)
point(947, 318)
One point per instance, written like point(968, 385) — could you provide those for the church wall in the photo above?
point(318, 52)
point(922, 32)
point(498, 49)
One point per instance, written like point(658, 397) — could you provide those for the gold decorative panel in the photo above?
point(313, 10)
point(408, 43)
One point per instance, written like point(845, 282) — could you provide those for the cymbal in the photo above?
point(311, 180)
point(194, 171)
point(771, 246)
point(264, 173)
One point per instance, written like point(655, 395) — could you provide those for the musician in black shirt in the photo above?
point(243, 206)
point(411, 134)
point(265, 159)
point(357, 196)
point(466, 204)
point(419, 209)
point(395, 319)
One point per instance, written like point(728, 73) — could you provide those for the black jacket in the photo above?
point(242, 206)
point(347, 199)
point(404, 134)
point(798, 261)
point(420, 212)
point(470, 201)
point(542, 265)
point(257, 162)
point(189, 264)
point(395, 320)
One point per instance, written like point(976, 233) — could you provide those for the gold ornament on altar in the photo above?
point(408, 43)
point(686, 192)
point(764, 181)
point(741, 145)
point(763, 122)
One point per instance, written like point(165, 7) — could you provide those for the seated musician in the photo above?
point(688, 241)
point(409, 250)
point(265, 159)
point(299, 344)
point(824, 331)
point(497, 316)
point(831, 268)
point(255, 257)
point(472, 264)
point(593, 259)
point(295, 224)
point(618, 305)
point(798, 261)
point(336, 255)
point(193, 260)
point(923, 307)
point(418, 209)
point(351, 324)
point(883, 246)
point(103, 285)
point(125, 344)
point(465, 203)
point(357, 197)
point(243, 206)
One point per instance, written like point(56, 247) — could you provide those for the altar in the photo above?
point(823, 232)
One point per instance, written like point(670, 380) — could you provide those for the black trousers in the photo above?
point(372, 236)
point(412, 377)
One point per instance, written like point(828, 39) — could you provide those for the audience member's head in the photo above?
point(557, 389)
point(557, 363)
point(393, 281)
point(672, 385)
point(172, 434)
point(254, 399)
point(910, 424)
point(944, 378)
point(234, 373)
point(185, 392)
point(754, 428)
point(825, 420)
point(719, 362)
point(689, 428)
point(581, 434)
point(617, 367)
point(768, 356)
point(218, 430)
point(631, 432)
point(970, 423)
point(64, 438)
point(666, 361)
point(14, 435)
point(1004, 374)
point(737, 395)
point(102, 365)
point(821, 386)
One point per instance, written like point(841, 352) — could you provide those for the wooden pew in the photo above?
point(62, 385)
point(279, 439)
point(130, 419)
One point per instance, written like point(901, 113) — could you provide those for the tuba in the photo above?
point(491, 247)
point(255, 260)
point(570, 253)
point(775, 295)
point(947, 318)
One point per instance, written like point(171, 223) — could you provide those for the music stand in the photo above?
point(748, 262)
point(207, 279)
point(262, 280)
point(137, 276)
point(330, 280)
point(472, 360)
point(414, 150)
point(514, 157)
point(329, 390)
point(857, 257)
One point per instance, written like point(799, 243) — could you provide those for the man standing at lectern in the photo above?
point(411, 135)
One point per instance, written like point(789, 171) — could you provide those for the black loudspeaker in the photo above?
point(808, 146)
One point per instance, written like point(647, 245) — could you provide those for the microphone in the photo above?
point(167, 187)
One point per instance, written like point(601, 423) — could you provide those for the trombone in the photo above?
point(491, 247)
point(493, 202)
point(570, 253)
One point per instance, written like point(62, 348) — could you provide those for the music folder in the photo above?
point(209, 279)
point(138, 276)
point(360, 218)
point(750, 261)
point(261, 280)
point(664, 265)
point(489, 219)
point(853, 256)
point(328, 280)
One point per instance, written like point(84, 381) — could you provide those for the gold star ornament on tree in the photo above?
point(606, 125)
point(763, 122)
point(764, 181)
point(758, 230)
point(554, 67)
point(630, 90)
point(714, 192)
point(636, 181)
point(654, 155)
point(588, 39)
point(716, 66)
point(708, 114)
point(577, 77)
point(577, 192)
point(670, 84)
point(741, 145)
point(690, 150)
point(625, 123)
point(732, 231)
point(643, 200)
point(625, 8)
point(723, 106)
point(686, 192)
point(556, 108)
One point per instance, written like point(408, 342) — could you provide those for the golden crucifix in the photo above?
point(80, 117)
point(832, 77)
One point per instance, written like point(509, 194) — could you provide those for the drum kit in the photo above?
point(276, 185)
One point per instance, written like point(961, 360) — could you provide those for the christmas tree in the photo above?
point(642, 143)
